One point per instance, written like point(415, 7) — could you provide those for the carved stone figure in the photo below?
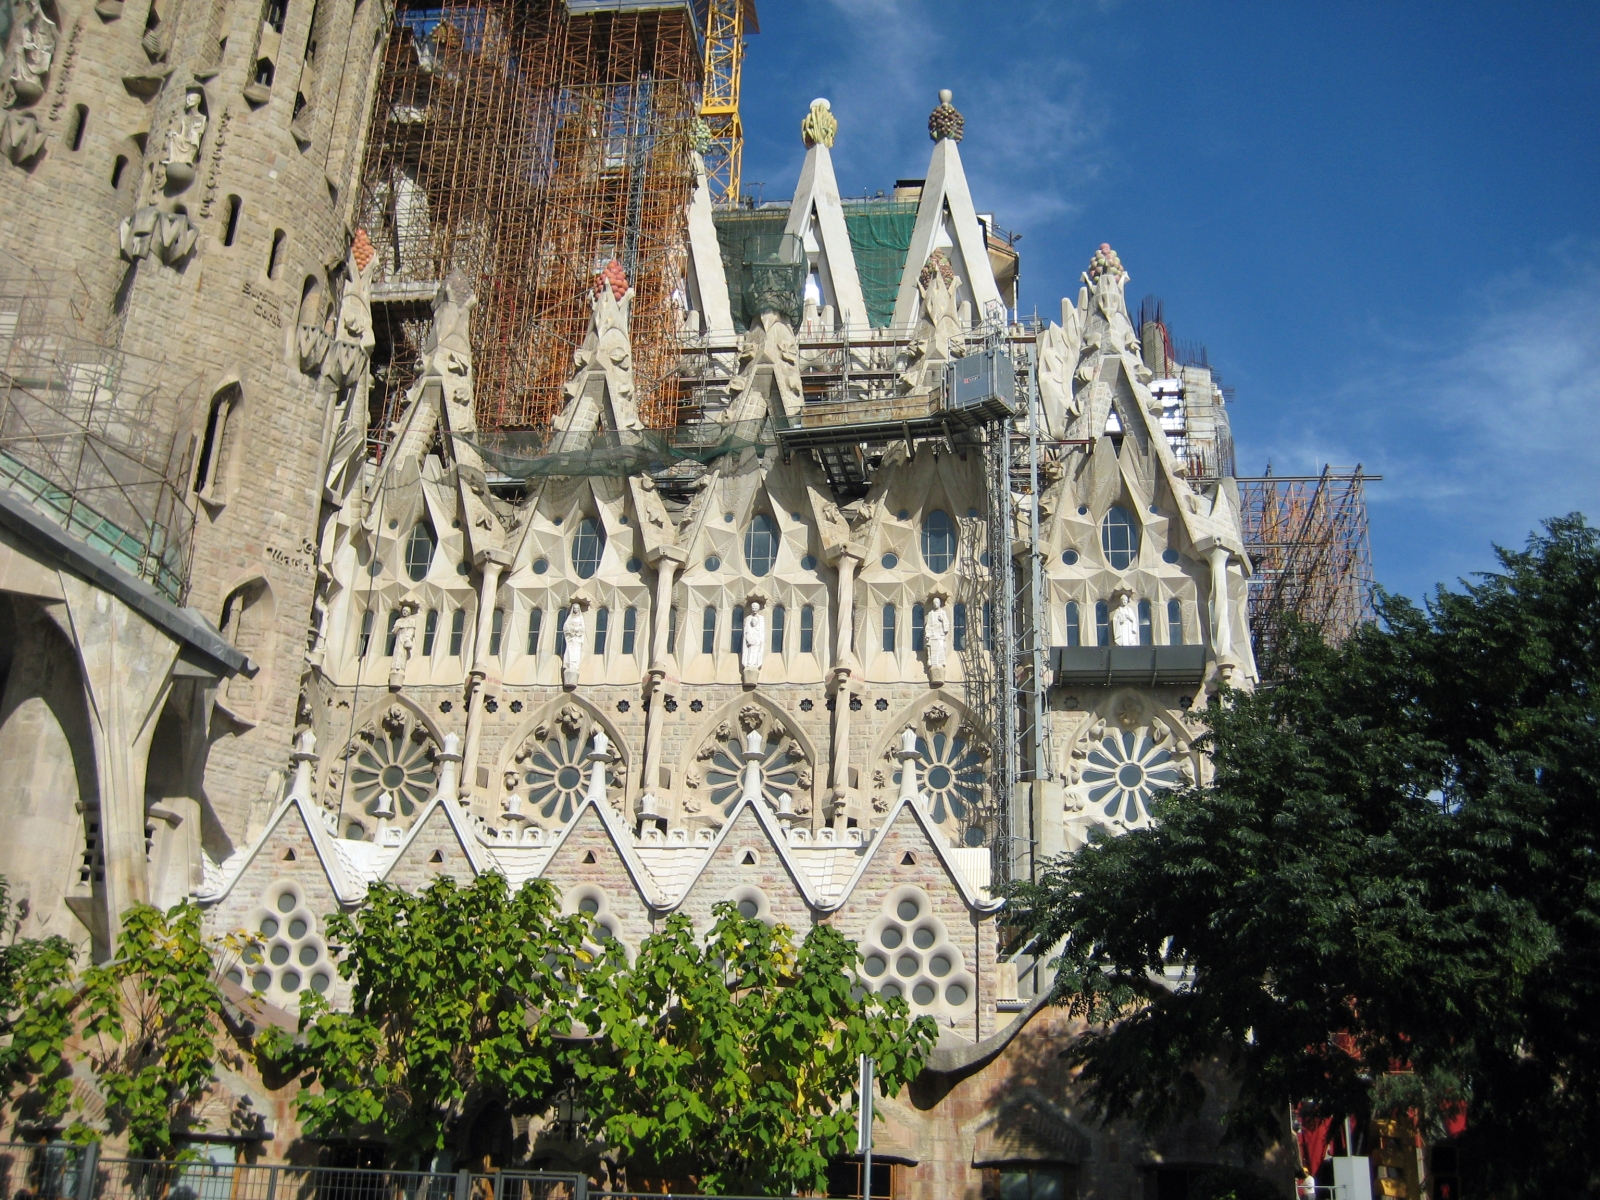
point(20, 136)
point(939, 326)
point(607, 351)
point(769, 369)
point(1125, 622)
point(405, 640)
point(183, 141)
point(936, 633)
point(573, 629)
point(34, 38)
point(751, 717)
point(346, 366)
point(819, 126)
point(447, 351)
point(753, 652)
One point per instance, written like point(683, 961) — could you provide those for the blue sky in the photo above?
point(1383, 220)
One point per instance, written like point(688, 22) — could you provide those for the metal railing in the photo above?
point(62, 1172)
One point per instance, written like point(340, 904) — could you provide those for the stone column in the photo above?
point(490, 562)
point(843, 663)
point(843, 652)
point(654, 713)
point(1221, 618)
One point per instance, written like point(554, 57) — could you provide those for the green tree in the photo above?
point(733, 1058)
point(454, 989)
point(36, 1003)
point(151, 1020)
point(1395, 862)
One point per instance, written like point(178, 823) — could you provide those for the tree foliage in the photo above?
point(733, 1058)
point(36, 1002)
point(1395, 863)
point(454, 989)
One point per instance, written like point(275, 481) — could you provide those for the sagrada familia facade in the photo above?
point(764, 674)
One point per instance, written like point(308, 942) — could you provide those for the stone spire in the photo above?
point(945, 121)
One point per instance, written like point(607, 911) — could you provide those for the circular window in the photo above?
point(589, 905)
point(875, 965)
point(983, 558)
point(890, 561)
point(890, 991)
point(923, 993)
point(635, 566)
point(307, 955)
point(1123, 771)
point(908, 910)
point(287, 901)
point(251, 955)
point(605, 931)
point(794, 516)
point(279, 955)
point(713, 562)
point(809, 562)
point(939, 965)
point(569, 777)
point(972, 514)
point(939, 777)
point(1169, 555)
point(1130, 775)
point(903, 515)
point(355, 833)
point(320, 982)
point(1070, 557)
point(974, 836)
point(269, 926)
point(892, 937)
point(399, 761)
point(955, 995)
point(236, 976)
point(463, 568)
point(1083, 510)
point(375, 567)
point(297, 928)
point(922, 938)
point(728, 517)
point(290, 981)
point(261, 981)
point(392, 776)
point(541, 565)
point(1155, 510)
point(748, 909)
point(906, 965)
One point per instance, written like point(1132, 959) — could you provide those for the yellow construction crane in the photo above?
point(727, 22)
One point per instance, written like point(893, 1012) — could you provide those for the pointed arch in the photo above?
point(217, 464)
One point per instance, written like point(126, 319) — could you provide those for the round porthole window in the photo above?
point(308, 955)
point(463, 568)
point(291, 981)
point(713, 563)
point(955, 995)
point(261, 981)
point(923, 993)
point(541, 565)
point(635, 566)
point(236, 976)
point(269, 926)
point(1169, 555)
point(297, 927)
point(908, 910)
point(906, 965)
point(922, 938)
point(892, 937)
point(320, 982)
point(1083, 510)
point(589, 905)
point(890, 561)
point(939, 965)
point(748, 909)
point(809, 562)
point(1070, 557)
point(279, 955)
point(875, 966)
point(890, 991)
point(287, 901)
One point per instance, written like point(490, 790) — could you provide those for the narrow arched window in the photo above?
point(392, 633)
point(588, 543)
point(561, 637)
point(1102, 624)
point(366, 634)
point(275, 255)
point(808, 620)
point(918, 615)
point(777, 629)
point(1119, 538)
point(958, 627)
point(80, 126)
point(708, 631)
point(602, 626)
point(458, 631)
point(419, 551)
point(230, 220)
point(630, 629)
point(1175, 622)
point(938, 541)
point(672, 630)
point(736, 630)
point(430, 632)
point(497, 628)
point(761, 544)
point(535, 620)
point(1146, 633)
point(1074, 631)
point(888, 626)
point(117, 168)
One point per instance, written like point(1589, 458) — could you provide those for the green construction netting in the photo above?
point(765, 267)
point(880, 239)
point(541, 453)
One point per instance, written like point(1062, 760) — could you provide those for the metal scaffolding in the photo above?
point(1307, 540)
point(525, 146)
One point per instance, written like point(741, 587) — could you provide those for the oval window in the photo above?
point(938, 541)
point(761, 544)
point(419, 551)
point(1119, 538)
point(587, 545)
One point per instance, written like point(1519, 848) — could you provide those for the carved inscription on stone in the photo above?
point(267, 306)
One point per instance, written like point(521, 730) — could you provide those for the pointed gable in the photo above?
point(594, 851)
point(947, 220)
point(816, 217)
point(750, 852)
point(438, 843)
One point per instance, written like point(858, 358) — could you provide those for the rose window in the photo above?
point(951, 774)
point(397, 758)
point(557, 775)
point(1124, 771)
point(780, 764)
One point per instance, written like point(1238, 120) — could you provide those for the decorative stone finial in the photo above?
point(362, 250)
point(818, 127)
point(945, 121)
point(938, 264)
point(699, 136)
point(613, 275)
point(1105, 262)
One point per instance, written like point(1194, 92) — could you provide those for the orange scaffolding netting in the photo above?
point(526, 147)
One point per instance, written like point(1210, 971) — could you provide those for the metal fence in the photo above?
point(61, 1172)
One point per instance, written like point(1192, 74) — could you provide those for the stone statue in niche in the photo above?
point(753, 652)
point(940, 326)
point(448, 348)
point(573, 629)
point(405, 640)
point(936, 637)
point(346, 366)
point(34, 38)
point(183, 141)
point(1125, 622)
